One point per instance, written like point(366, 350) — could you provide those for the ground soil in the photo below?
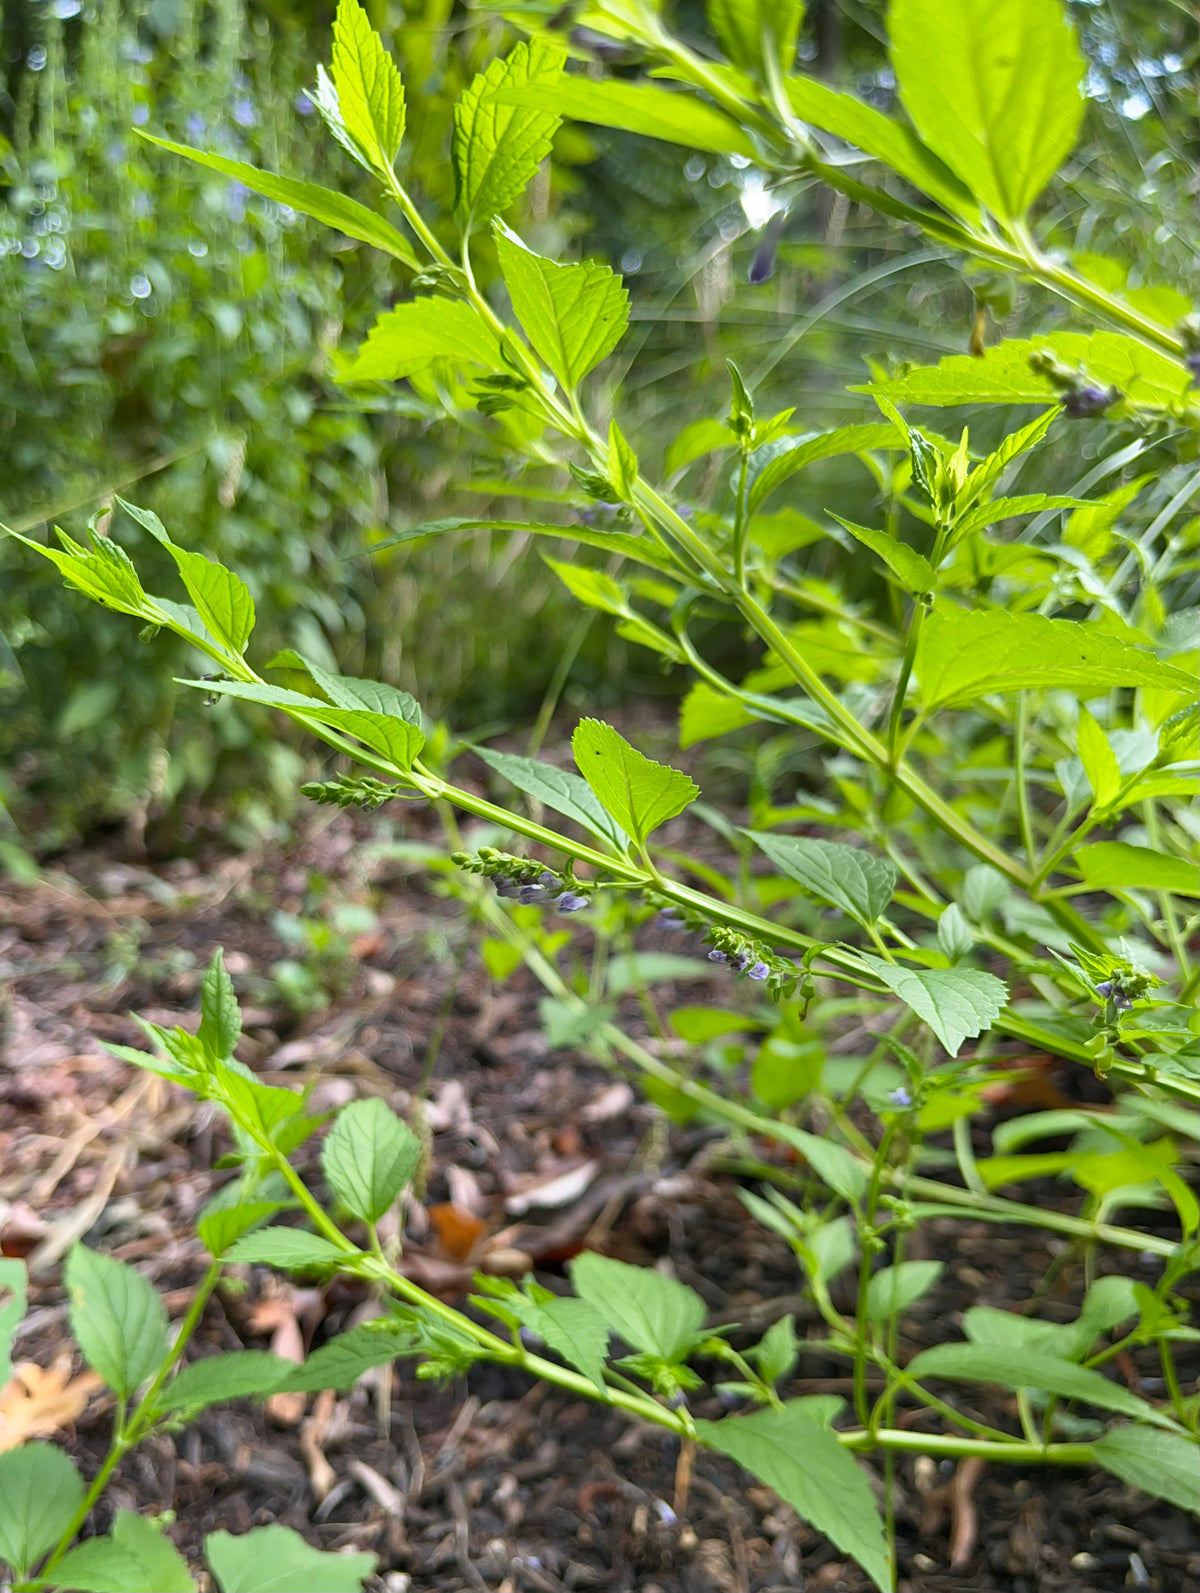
point(490, 1482)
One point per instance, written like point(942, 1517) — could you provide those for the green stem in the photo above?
point(1024, 814)
point(895, 718)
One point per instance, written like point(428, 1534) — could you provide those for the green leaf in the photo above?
point(370, 95)
point(639, 793)
point(833, 1163)
point(14, 1293)
point(956, 1003)
point(221, 1020)
point(408, 340)
point(348, 691)
point(893, 1289)
point(277, 1560)
point(967, 654)
point(395, 739)
point(576, 1330)
point(241, 1374)
point(218, 1230)
point(649, 1311)
point(1004, 376)
point(705, 713)
point(290, 1249)
point(1163, 1464)
point(137, 1558)
point(993, 87)
point(913, 568)
point(785, 1071)
point(627, 544)
point(777, 1352)
point(104, 572)
point(40, 1491)
point(342, 1361)
point(222, 598)
point(497, 147)
point(846, 876)
point(695, 441)
point(369, 1157)
point(878, 135)
point(345, 215)
point(1116, 865)
point(1013, 1368)
point(743, 28)
point(986, 514)
point(599, 590)
point(574, 315)
point(559, 789)
point(793, 1452)
point(773, 463)
point(1098, 759)
point(117, 1317)
point(622, 462)
point(643, 108)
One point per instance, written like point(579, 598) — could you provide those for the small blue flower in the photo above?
point(507, 887)
point(570, 902)
point(196, 125)
point(304, 105)
point(550, 882)
point(1085, 403)
point(900, 1096)
point(760, 971)
point(528, 895)
point(668, 918)
point(717, 956)
point(1105, 989)
point(243, 112)
point(738, 961)
point(141, 115)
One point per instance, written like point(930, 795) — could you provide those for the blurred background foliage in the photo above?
point(167, 336)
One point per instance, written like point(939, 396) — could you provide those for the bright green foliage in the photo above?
point(365, 111)
point(994, 87)
point(289, 1248)
point(559, 789)
point(574, 315)
point(220, 1017)
point(894, 1289)
point(410, 339)
point(796, 1454)
point(913, 568)
point(118, 1319)
point(650, 1312)
point(369, 1157)
point(136, 1557)
point(1115, 865)
point(576, 1330)
point(638, 108)
point(1019, 1368)
point(956, 1003)
point(222, 600)
point(277, 1560)
point(639, 793)
point(40, 1490)
point(340, 1362)
point(749, 29)
point(498, 147)
point(773, 463)
point(600, 591)
point(241, 1374)
point(844, 876)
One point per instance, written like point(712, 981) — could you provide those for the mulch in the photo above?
point(488, 1483)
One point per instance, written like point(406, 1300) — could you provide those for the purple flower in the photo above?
point(760, 971)
point(669, 919)
point(195, 124)
point(507, 887)
point(738, 961)
point(1085, 403)
point(717, 956)
point(1105, 989)
point(1192, 361)
point(529, 894)
point(570, 902)
point(304, 105)
point(141, 115)
point(900, 1096)
point(1122, 1002)
point(550, 882)
point(243, 112)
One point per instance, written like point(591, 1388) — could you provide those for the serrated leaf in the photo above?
point(40, 1491)
point(913, 568)
point(277, 1560)
point(370, 95)
point(222, 599)
point(559, 789)
point(773, 463)
point(638, 108)
point(218, 1230)
point(103, 572)
point(498, 147)
point(220, 1020)
point(639, 793)
point(369, 1157)
point(1005, 508)
point(1098, 759)
point(878, 135)
point(290, 1249)
point(394, 738)
point(777, 1352)
point(138, 1557)
point(893, 1289)
point(241, 1374)
point(967, 654)
point(743, 27)
point(705, 713)
point(599, 590)
point(649, 1311)
point(845, 876)
point(956, 1003)
point(993, 87)
point(412, 337)
point(117, 1317)
point(574, 315)
point(345, 215)
point(340, 1363)
point(1011, 1368)
point(1004, 376)
point(576, 1330)
point(1166, 1465)
point(14, 1292)
point(348, 691)
point(795, 1453)
point(1116, 865)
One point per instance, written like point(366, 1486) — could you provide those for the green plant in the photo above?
point(1017, 693)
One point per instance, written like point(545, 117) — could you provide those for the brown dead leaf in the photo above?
point(36, 1402)
point(458, 1230)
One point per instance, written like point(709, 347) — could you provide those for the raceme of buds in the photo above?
point(744, 956)
point(1082, 398)
point(1086, 402)
point(522, 880)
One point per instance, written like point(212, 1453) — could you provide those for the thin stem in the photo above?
point(915, 621)
point(1024, 814)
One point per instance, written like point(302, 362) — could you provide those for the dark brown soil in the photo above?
point(490, 1483)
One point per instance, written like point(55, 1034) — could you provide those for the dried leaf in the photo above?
point(36, 1402)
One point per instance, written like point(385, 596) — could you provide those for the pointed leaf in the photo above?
point(773, 463)
point(409, 339)
point(395, 739)
point(40, 1491)
point(794, 1452)
point(994, 88)
point(956, 1003)
point(846, 876)
point(103, 572)
point(574, 315)
point(1116, 865)
point(222, 598)
point(370, 94)
point(1022, 1368)
point(345, 215)
point(218, 1230)
point(277, 1560)
point(1163, 1464)
point(117, 1317)
point(913, 568)
point(290, 1249)
point(369, 1157)
point(221, 1020)
point(137, 1558)
point(638, 108)
point(833, 1163)
point(340, 1363)
point(639, 793)
point(241, 1374)
point(559, 789)
point(498, 147)
point(576, 1330)
point(348, 691)
point(649, 1311)
point(893, 1289)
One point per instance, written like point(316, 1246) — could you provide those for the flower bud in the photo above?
point(717, 956)
point(1086, 402)
point(760, 971)
point(570, 902)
